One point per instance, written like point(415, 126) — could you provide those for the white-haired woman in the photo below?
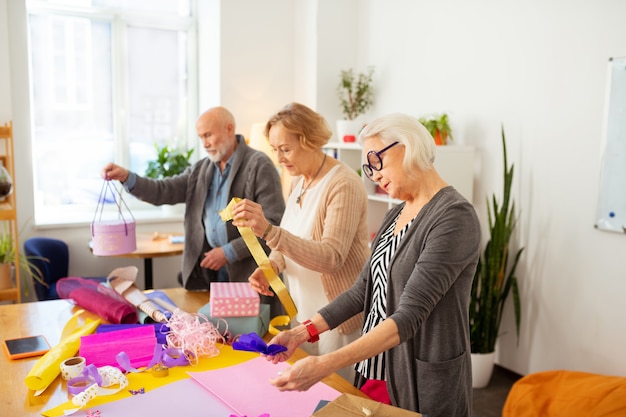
point(414, 291)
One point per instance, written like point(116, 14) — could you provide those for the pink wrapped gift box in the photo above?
point(233, 299)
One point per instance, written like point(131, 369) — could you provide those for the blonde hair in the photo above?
point(309, 126)
point(419, 145)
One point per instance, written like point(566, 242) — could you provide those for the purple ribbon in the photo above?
point(252, 342)
point(168, 357)
point(89, 376)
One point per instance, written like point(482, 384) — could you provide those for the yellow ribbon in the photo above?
point(264, 263)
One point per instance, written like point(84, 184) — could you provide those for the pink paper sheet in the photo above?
point(138, 342)
point(245, 388)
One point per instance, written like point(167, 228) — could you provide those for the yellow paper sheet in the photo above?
point(146, 380)
point(48, 367)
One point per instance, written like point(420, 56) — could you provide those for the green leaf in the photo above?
point(495, 279)
point(169, 162)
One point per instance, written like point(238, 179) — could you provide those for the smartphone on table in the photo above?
point(25, 347)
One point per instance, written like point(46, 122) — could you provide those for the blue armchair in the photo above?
point(55, 267)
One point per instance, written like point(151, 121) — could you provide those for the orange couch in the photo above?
point(566, 394)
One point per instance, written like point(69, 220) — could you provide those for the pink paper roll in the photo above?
point(98, 298)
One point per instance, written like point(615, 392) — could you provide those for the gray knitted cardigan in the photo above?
point(252, 176)
point(428, 294)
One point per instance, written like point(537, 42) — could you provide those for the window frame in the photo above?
point(120, 21)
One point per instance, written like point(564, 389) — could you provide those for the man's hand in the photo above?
point(114, 172)
point(214, 259)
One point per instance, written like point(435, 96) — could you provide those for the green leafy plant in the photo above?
point(355, 92)
point(439, 128)
point(495, 277)
point(169, 162)
point(7, 256)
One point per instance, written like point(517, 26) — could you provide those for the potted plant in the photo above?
point(494, 280)
point(169, 162)
point(7, 263)
point(438, 127)
point(355, 97)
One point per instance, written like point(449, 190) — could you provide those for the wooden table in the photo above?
point(49, 318)
point(149, 246)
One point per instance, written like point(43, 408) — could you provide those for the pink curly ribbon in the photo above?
point(192, 336)
point(93, 413)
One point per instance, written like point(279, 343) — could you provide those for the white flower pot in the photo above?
point(482, 368)
point(348, 130)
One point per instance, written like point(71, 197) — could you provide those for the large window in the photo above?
point(109, 79)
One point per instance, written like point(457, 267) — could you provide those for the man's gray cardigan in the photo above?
point(428, 292)
point(252, 176)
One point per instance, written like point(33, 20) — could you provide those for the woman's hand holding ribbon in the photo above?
point(287, 339)
point(247, 213)
point(259, 282)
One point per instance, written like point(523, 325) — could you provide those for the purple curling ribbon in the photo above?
point(89, 376)
point(252, 342)
point(168, 357)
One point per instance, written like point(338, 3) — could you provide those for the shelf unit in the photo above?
point(8, 211)
point(455, 164)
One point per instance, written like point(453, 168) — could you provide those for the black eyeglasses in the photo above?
point(374, 161)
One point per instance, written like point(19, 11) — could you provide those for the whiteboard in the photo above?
point(611, 215)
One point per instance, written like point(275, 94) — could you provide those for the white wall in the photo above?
point(537, 67)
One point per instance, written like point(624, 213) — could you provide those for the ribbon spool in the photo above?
point(160, 371)
point(94, 382)
point(263, 262)
point(72, 367)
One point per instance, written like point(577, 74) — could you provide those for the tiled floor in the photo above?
point(489, 401)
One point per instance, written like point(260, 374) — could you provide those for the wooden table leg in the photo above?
point(147, 266)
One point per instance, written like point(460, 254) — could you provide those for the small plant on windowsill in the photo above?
point(169, 162)
point(439, 128)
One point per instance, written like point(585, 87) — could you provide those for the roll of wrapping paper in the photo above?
point(264, 263)
point(48, 367)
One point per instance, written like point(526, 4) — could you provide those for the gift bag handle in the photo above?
point(108, 187)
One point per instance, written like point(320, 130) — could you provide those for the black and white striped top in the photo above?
point(374, 368)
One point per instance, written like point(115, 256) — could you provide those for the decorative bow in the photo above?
point(252, 342)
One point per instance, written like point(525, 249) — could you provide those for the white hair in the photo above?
point(418, 143)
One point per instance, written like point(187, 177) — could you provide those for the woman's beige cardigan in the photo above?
point(339, 245)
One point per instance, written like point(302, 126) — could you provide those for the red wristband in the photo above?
point(314, 334)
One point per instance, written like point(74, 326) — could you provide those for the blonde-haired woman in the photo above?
point(321, 244)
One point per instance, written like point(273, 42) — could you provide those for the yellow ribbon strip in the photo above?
point(264, 263)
